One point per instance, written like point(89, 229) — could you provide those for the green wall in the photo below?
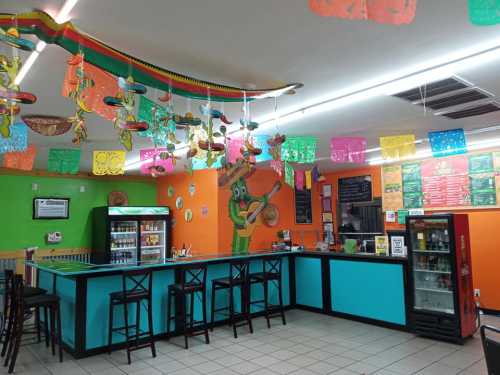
point(17, 228)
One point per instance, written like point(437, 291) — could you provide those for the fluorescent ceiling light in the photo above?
point(427, 72)
point(61, 17)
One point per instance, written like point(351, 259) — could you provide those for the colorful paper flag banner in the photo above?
point(484, 12)
point(18, 140)
point(289, 174)
point(448, 142)
point(22, 160)
point(108, 163)
point(299, 180)
point(394, 12)
point(64, 160)
point(348, 149)
point(105, 84)
point(308, 180)
point(299, 149)
point(260, 141)
point(398, 146)
point(151, 158)
point(234, 146)
point(148, 109)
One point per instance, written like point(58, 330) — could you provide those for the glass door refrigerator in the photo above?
point(127, 235)
point(441, 293)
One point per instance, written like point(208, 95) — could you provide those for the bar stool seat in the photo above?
point(271, 274)
point(41, 300)
point(193, 282)
point(19, 305)
point(31, 291)
point(136, 288)
point(259, 277)
point(238, 278)
point(128, 295)
point(226, 281)
point(188, 287)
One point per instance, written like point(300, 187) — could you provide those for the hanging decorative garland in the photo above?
point(125, 121)
point(122, 65)
point(10, 94)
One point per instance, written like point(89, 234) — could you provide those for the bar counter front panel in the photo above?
point(366, 288)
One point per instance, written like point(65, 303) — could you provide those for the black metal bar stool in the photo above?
point(193, 282)
point(271, 273)
point(136, 289)
point(28, 291)
point(238, 278)
point(20, 304)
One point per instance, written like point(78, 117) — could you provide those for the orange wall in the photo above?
point(260, 183)
point(201, 233)
point(214, 233)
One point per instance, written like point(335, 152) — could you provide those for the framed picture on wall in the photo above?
point(50, 208)
point(327, 204)
point(327, 191)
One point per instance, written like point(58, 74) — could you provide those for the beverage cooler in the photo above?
point(441, 293)
point(126, 235)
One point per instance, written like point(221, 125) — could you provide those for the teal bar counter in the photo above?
point(367, 288)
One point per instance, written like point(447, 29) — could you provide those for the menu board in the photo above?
point(454, 182)
point(355, 189)
point(303, 207)
point(393, 187)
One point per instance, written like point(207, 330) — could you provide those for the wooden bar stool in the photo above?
point(238, 278)
point(20, 304)
point(271, 273)
point(136, 289)
point(193, 282)
point(28, 291)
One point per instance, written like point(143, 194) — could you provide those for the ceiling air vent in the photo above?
point(472, 111)
point(432, 89)
point(453, 97)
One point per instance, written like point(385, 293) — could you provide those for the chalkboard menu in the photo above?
point(303, 207)
point(355, 189)
point(453, 182)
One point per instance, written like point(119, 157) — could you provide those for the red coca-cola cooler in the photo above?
point(441, 293)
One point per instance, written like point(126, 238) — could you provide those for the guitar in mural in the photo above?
point(245, 212)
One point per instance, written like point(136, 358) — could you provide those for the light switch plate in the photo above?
point(82, 189)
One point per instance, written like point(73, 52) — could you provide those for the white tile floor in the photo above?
point(309, 344)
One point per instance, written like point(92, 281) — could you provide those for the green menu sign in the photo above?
point(481, 163)
point(412, 185)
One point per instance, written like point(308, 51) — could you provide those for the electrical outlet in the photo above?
point(82, 189)
point(477, 292)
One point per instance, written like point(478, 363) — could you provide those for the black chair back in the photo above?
point(137, 282)
point(491, 349)
point(272, 265)
point(194, 275)
point(239, 270)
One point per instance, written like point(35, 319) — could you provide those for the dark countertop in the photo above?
point(74, 269)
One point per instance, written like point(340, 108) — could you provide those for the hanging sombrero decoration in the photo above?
point(125, 120)
point(10, 94)
point(47, 125)
point(79, 84)
point(12, 38)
